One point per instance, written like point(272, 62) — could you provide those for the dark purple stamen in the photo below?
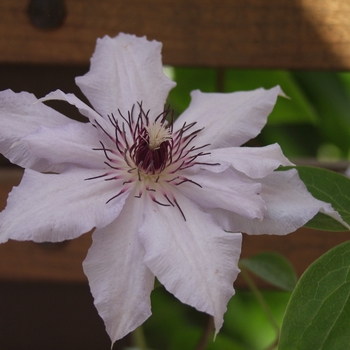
point(151, 160)
point(136, 155)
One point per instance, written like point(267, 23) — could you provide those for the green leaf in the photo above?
point(330, 187)
point(273, 268)
point(317, 316)
point(325, 223)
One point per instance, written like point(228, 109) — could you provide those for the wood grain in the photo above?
point(289, 34)
point(62, 262)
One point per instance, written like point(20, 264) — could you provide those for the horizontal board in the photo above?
point(286, 34)
point(62, 262)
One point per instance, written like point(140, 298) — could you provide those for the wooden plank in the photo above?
point(305, 34)
point(61, 262)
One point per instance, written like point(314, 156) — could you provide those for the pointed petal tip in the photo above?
point(197, 261)
point(281, 92)
point(119, 281)
point(328, 210)
point(243, 114)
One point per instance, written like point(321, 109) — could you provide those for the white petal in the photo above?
point(255, 162)
point(22, 114)
point(227, 190)
point(83, 108)
point(119, 280)
point(194, 259)
point(229, 119)
point(71, 143)
point(56, 207)
point(126, 70)
point(289, 206)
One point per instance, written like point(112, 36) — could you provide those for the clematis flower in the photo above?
point(164, 197)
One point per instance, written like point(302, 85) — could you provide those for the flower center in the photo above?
point(149, 157)
point(152, 148)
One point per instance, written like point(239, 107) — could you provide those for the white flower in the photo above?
point(160, 195)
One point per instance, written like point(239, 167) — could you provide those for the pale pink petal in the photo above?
point(255, 162)
point(22, 114)
point(124, 71)
point(119, 280)
point(83, 108)
point(229, 119)
point(194, 259)
point(227, 190)
point(56, 207)
point(72, 143)
point(289, 206)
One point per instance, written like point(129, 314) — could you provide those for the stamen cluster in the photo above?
point(153, 146)
point(149, 156)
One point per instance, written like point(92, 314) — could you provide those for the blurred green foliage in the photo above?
point(314, 121)
point(175, 326)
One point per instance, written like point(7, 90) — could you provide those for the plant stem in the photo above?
point(138, 338)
